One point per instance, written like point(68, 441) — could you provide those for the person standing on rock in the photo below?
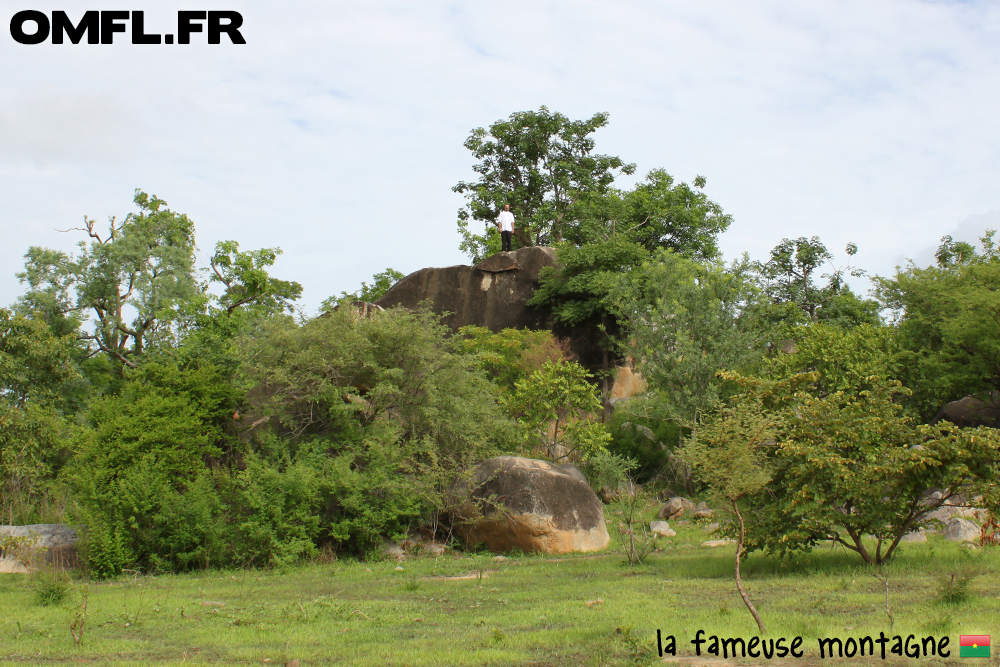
point(505, 223)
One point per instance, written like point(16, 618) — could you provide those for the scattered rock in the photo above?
point(500, 262)
point(435, 549)
point(915, 536)
point(393, 550)
point(399, 568)
point(499, 559)
point(412, 543)
point(544, 508)
point(716, 543)
point(627, 488)
point(593, 603)
point(675, 508)
point(213, 603)
point(644, 431)
point(661, 528)
point(961, 530)
point(702, 511)
point(629, 383)
point(712, 527)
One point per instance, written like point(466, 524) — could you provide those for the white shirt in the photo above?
point(506, 221)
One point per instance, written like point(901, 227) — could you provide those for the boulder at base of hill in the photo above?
point(514, 502)
point(575, 472)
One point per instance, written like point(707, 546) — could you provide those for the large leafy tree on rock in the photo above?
point(560, 190)
point(541, 163)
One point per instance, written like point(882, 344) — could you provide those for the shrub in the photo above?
point(51, 587)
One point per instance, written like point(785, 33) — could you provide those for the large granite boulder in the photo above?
point(492, 294)
point(37, 544)
point(971, 412)
point(513, 502)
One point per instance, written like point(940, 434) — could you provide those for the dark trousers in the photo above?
point(505, 241)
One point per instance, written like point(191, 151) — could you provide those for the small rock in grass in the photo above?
point(399, 568)
point(712, 527)
point(393, 550)
point(715, 543)
point(675, 508)
point(661, 528)
point(961, 530)
point(499, 559)
point(915, 536)
point(592, 603)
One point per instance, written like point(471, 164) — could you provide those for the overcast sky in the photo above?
point(336, 132)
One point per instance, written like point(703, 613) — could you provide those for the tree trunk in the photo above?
point(739, 579)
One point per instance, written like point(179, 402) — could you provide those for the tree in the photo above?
point(246, 280)
point(512, 354)
point(382, 282)
point(853, 468)
point(687, 321)
point(948, 320)
point(657, 213)
point(541, 163)
point(555, 407)
point(846, 462)
point(789, 276)
point(35, 367)
point(729, 454)
point(136, 281)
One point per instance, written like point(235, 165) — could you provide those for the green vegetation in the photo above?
point(214, 439)
point(472, 610)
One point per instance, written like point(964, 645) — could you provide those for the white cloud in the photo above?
point(337, 131)
point(51, 126)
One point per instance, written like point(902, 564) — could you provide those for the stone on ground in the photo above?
point(661, 528)
point(676, 507)
point(961, 530)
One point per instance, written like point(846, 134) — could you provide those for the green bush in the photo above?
point(51, 587)
point(107, 551)
point(630, 440)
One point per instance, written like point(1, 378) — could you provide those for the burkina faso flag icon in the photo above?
point(974, 646)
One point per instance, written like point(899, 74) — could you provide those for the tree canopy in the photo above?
point(545, 167)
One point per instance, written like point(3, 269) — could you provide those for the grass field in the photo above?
point(469, 609)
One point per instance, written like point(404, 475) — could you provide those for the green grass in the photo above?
point(528, 610)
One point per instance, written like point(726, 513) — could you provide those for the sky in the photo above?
point(336, 131)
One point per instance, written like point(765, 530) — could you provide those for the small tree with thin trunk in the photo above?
point(728, 454)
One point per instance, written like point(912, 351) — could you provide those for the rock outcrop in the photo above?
point(513, 502)
point(492, 294)
point(43, 543)
point(970, 412)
